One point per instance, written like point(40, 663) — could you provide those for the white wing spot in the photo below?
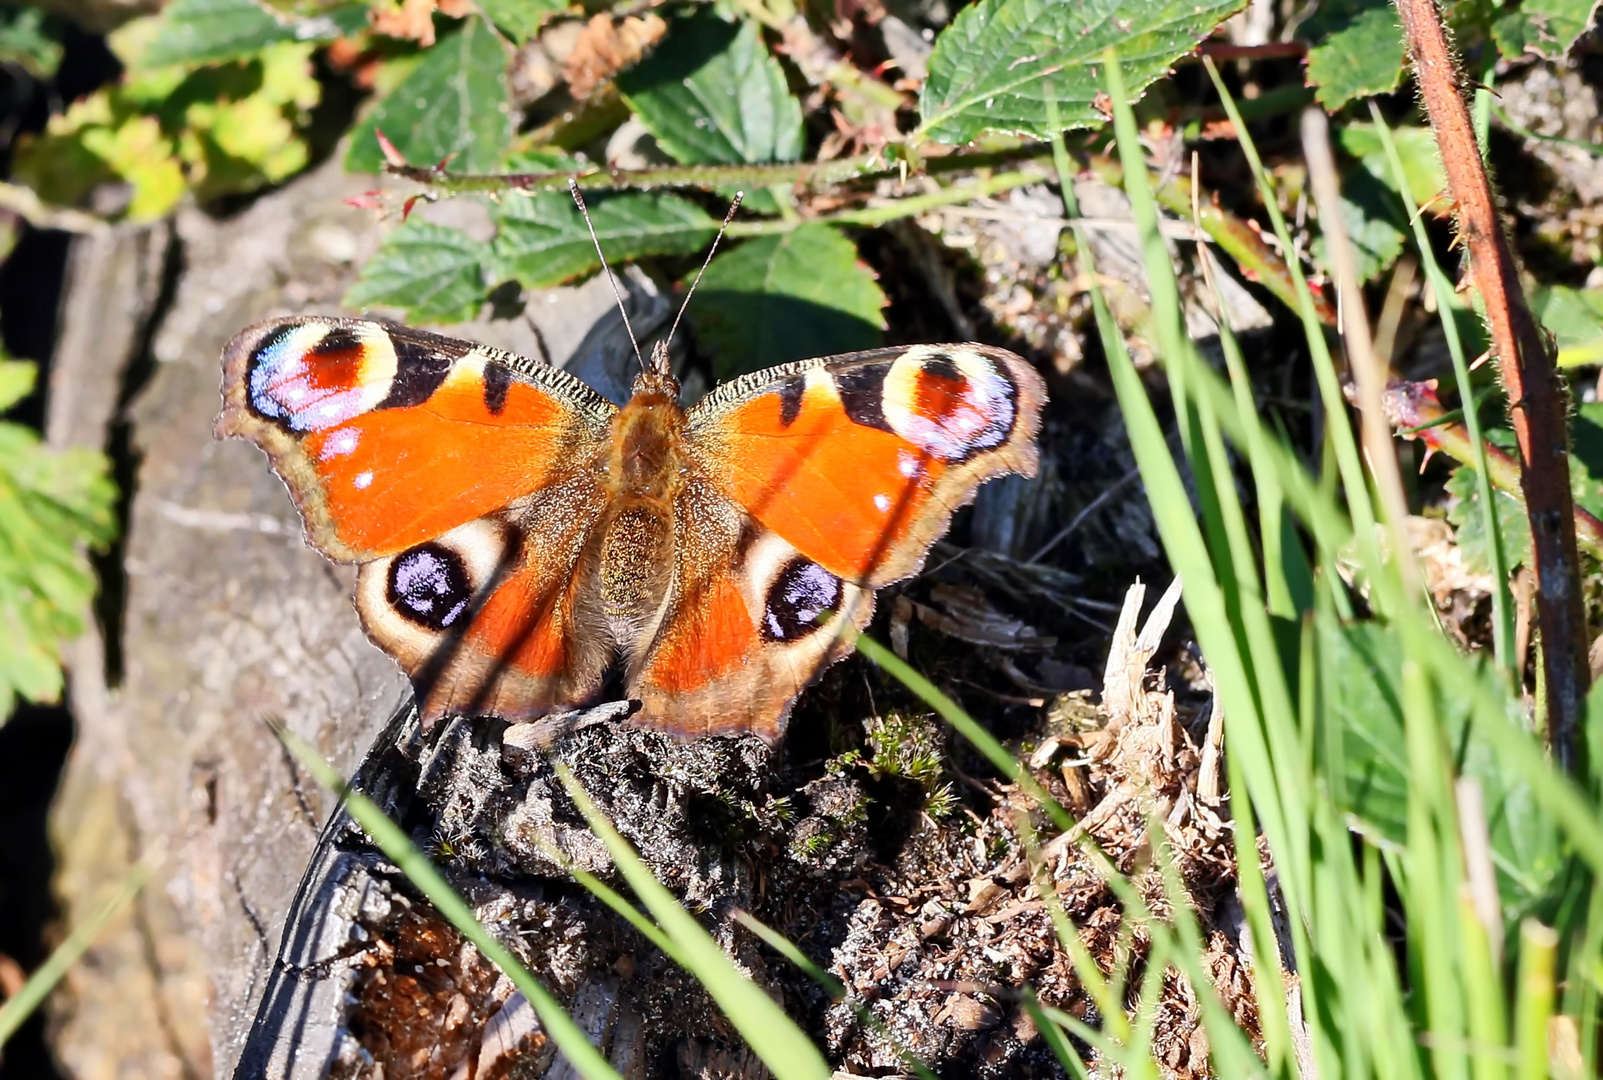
point(882, 503)
point(341, 442)
point(363, 479)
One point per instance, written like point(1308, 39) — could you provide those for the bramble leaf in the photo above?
point(521, 19)
point(995, 66)
point(1355, 50)
point(205, 31)
point(710, 93)
point(1548, 28)
point(27, 41)
point(543, 240)
point(778, 298)
point(1469, 523)
point(431, 272)
point(1575, 317)
point(454, 104)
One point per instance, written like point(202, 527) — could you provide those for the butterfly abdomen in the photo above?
point(642, 475)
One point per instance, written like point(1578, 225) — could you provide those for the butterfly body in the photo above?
point(519, 538)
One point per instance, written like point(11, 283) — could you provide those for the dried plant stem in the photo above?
point(1529, 375)
point(1369, 371)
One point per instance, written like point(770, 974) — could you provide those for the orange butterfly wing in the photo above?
point(746, 625)
point(387, 436)
point(859, 460)
point(458, 476)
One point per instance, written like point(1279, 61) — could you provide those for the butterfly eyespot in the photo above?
point(801, 595)
point(953, 405)
point(429, 585)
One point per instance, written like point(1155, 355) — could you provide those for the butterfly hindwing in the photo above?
point(499, 616)
point(748, 622)
point(388, 437)
point(859, 460)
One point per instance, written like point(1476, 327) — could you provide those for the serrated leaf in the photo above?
point(206, 31)
point(1355, 50)
point(1416, 146)
point(995, 66)
point(777, 298)
point(453, 103)
point(1548, 28)
point(543, 240)
point(521, 19)
point(1469, 521)
point(431, 272)
point(1371, 206)
point(1575, 317)
point(1361, 665)
point(710, 93)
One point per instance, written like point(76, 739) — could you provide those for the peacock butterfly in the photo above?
point(519, 538)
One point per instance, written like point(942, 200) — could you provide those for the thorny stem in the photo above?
point(1532, 382)
point(1257, 260)
point(1415, 411)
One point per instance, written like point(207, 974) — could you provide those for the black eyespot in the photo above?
point(429, 585)
point(862, 394)
point(497, 381)
point(798, 600)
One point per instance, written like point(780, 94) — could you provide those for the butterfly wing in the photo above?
point(811, 485)
point(457, 476)
point(859, 461)
point(388, 437)
point(749, 621)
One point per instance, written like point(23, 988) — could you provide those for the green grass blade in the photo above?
point(1339, 430)
point(398, 847)
point(15, 1011)
point(772, 1036)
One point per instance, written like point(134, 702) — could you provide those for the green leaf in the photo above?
point(454, 105)
point(777, 298)
point(1575, 317)
point(710, 93)
point(26, 41)
point(995, 66)
point(52, 505)
point(543, 240)
point(1548, 28)
point(1361, 668)
point(1374, 222)
point(17, 379)
point(206, 31)
point(1464, 512)
point(521, 19)
point(1422, 158)
point(1372, 208)
point(1355, 50)
point(433, 273)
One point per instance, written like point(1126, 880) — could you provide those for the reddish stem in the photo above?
point(1536, 393)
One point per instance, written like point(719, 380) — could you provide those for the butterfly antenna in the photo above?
point(733, 206)
point(573, 189)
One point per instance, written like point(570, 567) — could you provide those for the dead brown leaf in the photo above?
point(606, 47)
